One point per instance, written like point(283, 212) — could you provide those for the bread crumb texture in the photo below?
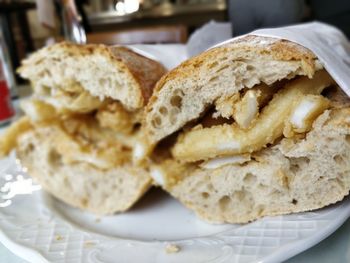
point(295, 175)
point(171, 248)
point(185, 92)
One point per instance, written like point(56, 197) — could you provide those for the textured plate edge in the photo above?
point(24, 252)
point(295, 248)
point(33, 256)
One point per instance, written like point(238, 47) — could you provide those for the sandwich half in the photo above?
point(82, 123)
point(255, 127)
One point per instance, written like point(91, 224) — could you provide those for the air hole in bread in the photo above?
point(296, 164)
point(276, 193)
point(212, 65)
point(340, 183)
point(47, 73)
point(136, 127)
point(210, 187)
point(67, 183)
point(173, 114)
point(249, 178)
point(260, 209)
point(54, 158)
point(153, 123)
point(174, 111)
point(213, 78)
point(222, 68)
point(177, 92)
point(294, 201)
point(224, 202)
point(29, 148)
point(250, 68)
point(102, 82)
point(295, 168)
point(338, 159)
point(94, 185)
point(239, 195)
point(163, 111)
point(158, 121)
point(176, 101)
point(205, 195)
point(44, 91)
point(347, 138)
point(84, 202)
point(172, 119)
point(262, 187)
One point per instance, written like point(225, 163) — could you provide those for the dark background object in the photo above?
point(334, 12)
point(248, 15)
point(7, 9)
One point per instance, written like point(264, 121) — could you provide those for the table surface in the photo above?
point(335, 249)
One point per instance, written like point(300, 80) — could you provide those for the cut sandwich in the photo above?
point(82, 123)
point(252, 128)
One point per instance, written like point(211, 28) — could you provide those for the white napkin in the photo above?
point(170, 55)
point(328, 43)
point(208, 35)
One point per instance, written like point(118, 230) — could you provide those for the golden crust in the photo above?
point(278, 49)
point(146, 71)
point(142, 71)
point(203, 71)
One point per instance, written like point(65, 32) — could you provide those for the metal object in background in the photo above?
point(72, 27)
point(7, 83)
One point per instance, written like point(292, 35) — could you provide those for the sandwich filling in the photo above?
point(247, 122)
point(92, 97)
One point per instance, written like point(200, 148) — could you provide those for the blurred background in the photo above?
point(29, 25)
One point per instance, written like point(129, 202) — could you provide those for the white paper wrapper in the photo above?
point(170, 55)
point(207, 36)
point(328, 43)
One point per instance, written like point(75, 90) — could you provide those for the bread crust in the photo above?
point(196, 70)
point(145, 71)
point(142, 72)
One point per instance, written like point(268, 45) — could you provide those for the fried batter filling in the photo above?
point(105, 136)
point(70, 97)
point(254, 119)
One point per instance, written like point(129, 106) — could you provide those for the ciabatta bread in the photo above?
point(292, 176)
point(80, 184)
point(254, 127)
point(185, 92)
point(82, 124)
point(104, 72)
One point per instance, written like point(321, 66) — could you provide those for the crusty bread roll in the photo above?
point(186, 91)
point(80, 184)
point(82, 124)
point(254, 127)
point(103, 72)
point(292, 176)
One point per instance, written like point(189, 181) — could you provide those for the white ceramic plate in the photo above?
point(40, 228)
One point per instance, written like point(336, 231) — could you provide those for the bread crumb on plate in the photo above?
point(171, 248)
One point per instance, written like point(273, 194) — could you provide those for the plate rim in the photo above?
point(281, 252)
point(285, 252)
